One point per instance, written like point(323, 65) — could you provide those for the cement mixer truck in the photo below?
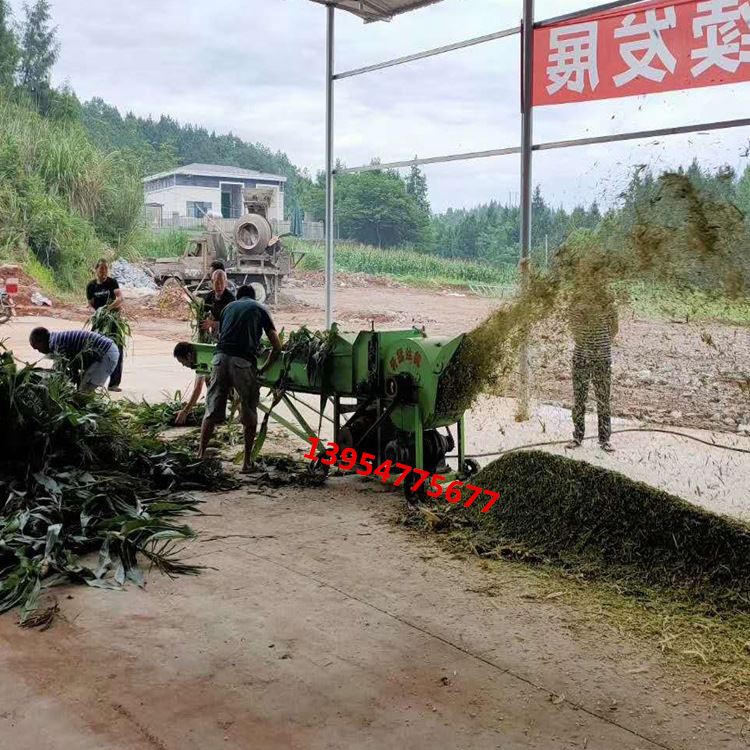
point(251, 253)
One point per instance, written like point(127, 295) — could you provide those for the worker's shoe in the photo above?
point(115, 389)
point(248, 468)
point(574, 443)
point(607, 447)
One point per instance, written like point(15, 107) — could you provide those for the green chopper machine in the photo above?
point(384, 389)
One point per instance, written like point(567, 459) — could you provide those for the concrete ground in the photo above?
point(318, 624)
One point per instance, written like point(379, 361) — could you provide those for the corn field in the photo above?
point(406, 265)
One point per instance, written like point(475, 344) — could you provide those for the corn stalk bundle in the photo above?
point(160, 416)
point(76, 478)
point(110, 323)
point(198, 314)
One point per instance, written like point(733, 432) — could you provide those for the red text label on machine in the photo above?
point(347, 459)
point(643, 49)
point(405, 355)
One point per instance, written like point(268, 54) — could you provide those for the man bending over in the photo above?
point(91, 352)
point(241, 327)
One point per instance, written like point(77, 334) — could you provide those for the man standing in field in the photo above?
point(234, 366)
point(91, 352)
point(104, 291)
point(593, 323)
point(216, 300)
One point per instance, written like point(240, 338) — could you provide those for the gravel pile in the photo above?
point(130, 277)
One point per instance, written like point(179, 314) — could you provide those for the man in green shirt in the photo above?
point(234, 366)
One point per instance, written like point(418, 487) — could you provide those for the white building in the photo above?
point(195, 189)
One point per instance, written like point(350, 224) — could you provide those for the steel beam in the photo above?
point(330, 177)
point(640, 134)
point(428, 53)
point(431, 160)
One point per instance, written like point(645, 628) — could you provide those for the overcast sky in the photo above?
point(256, 67)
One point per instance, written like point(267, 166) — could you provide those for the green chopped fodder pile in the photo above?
point(78, 477)
point(601, 524)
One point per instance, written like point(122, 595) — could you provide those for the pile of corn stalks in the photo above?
point(76, 478)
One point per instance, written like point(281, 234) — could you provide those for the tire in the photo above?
point(172, 282)
point(252, 233)
point(260, 291)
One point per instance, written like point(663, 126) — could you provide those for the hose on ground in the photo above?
point(734, 448)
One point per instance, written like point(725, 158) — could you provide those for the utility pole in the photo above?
point(329, 224)
point(527, 58)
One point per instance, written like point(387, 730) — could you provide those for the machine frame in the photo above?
point(383, 384)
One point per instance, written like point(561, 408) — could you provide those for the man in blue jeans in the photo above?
point(234, 366)
point(94, 355)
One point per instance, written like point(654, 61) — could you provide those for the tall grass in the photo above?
point(62, 201)
point(405, 265)
point(166, 244)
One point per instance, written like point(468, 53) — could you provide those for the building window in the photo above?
point(198, 209)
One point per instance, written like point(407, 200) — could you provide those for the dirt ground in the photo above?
point(318, 623)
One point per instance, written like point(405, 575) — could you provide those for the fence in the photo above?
point(311, 230)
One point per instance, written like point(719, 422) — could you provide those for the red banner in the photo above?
point(643, 49)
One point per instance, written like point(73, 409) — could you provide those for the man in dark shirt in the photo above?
point(91, 352)
point(104, 291)
point(216, 300)
point(234, 366)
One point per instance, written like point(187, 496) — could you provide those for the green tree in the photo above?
point(416, 186)
point(375, 208)
point(9, 53)
point(39, 52)
point(742, 193)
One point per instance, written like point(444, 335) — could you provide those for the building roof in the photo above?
point(217, 170)
point(377, 10)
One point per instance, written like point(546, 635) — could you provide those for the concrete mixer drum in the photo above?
point(252, 233)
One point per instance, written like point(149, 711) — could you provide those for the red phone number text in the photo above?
point(346, 459)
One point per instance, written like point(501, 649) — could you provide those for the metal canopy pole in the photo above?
point(329, 226)
point(527, 110)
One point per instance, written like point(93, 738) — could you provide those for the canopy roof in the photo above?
point(377, 10)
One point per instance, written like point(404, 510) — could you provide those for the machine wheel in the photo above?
point(172, 282)
point(471, 467)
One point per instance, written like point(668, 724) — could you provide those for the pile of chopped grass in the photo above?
point(602, 525)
